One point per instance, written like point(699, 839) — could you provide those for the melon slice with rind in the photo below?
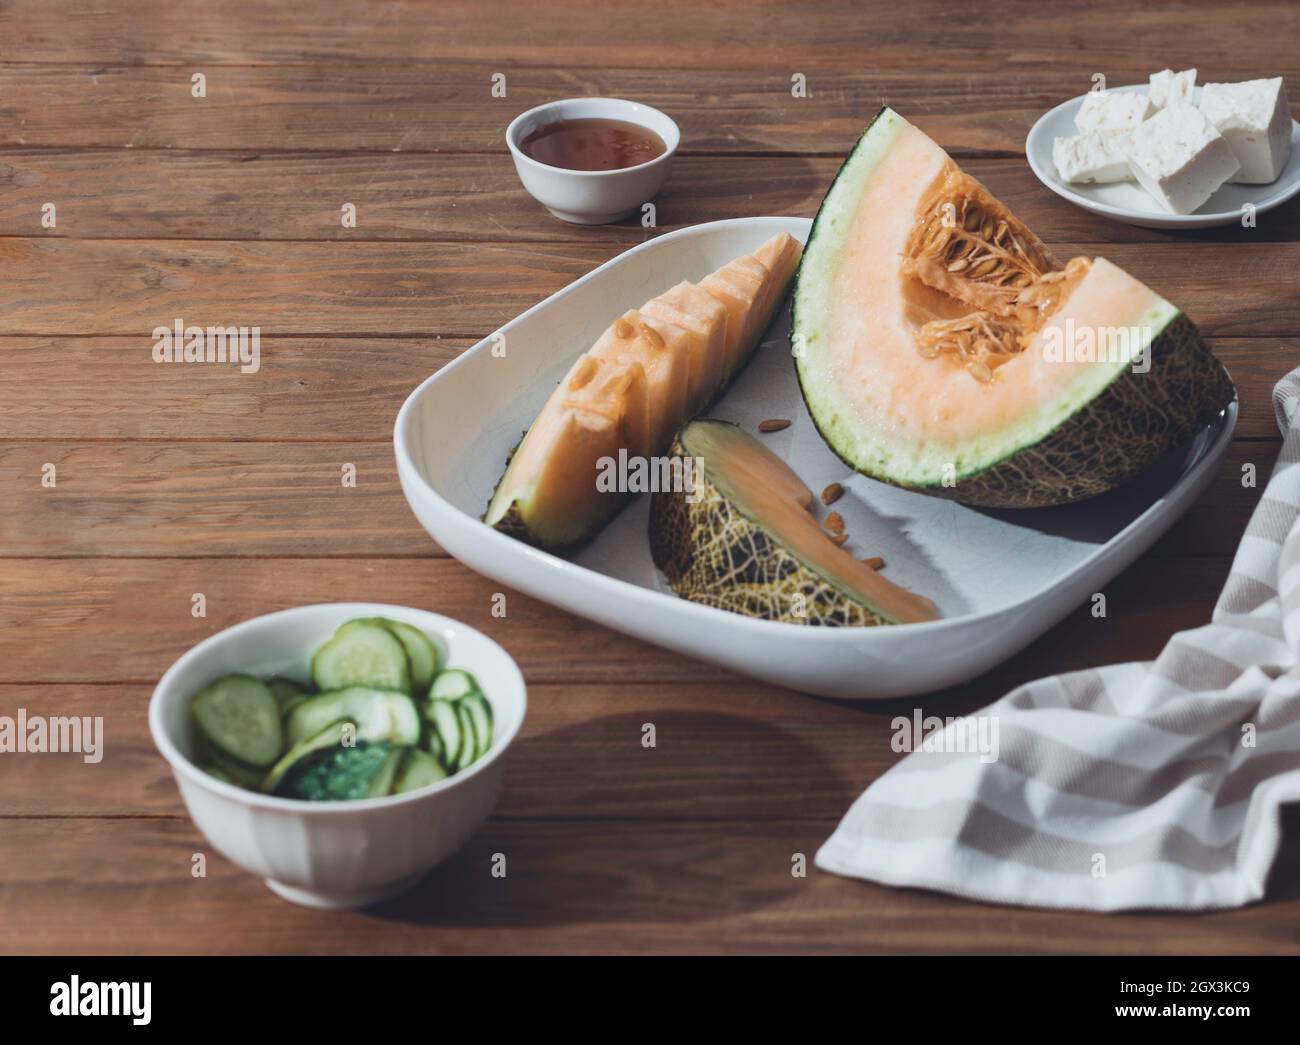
point(742, 538)
point(940, 347)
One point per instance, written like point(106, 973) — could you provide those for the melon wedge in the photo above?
point(550, 490)
point(650, 371)
point(743, 540)
point(941, 347)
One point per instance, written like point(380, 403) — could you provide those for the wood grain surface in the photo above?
point(174, 481)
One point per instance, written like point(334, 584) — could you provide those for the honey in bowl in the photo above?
point(593, 145)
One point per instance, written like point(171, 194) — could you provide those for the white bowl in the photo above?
point(592, 197)
point(334, 854)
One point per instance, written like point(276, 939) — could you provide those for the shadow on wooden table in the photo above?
point(629, 838)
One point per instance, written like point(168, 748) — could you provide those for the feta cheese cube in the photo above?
point(1180, 159)
point(1098, 157)
point(1255, 120)
point(1168, 86)
point(1113, 111)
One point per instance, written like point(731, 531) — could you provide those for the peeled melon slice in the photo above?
point(743, 540)
point(550, 492)
point(941, 347)
point(648, 373)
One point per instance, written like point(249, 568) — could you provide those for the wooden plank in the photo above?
point(111, 388)
point(217, 499)
point(448, 107)
point(74, 388)
point(570, 886)
point(103, 194)
point(132, 618)
point(207, 499)
point(119, 287)
point(1025, 37)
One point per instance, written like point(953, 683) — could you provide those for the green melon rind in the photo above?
point(1102, 436)
point(714, 554)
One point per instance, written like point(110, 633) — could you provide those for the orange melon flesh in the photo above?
point(550, 485)
point(666, 361)
point(548, 494)
point(768, 492)
point(877, 401)
point(705, 321)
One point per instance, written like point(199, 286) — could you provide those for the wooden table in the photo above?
point(177, 480)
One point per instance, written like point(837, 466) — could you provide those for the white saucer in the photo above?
point(1127, 202)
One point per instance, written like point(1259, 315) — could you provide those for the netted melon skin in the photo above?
point(714, 555)
point(1135, 421)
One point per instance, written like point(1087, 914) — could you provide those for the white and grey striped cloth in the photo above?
point(1143, 785)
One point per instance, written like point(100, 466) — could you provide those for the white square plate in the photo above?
point(1000, 578)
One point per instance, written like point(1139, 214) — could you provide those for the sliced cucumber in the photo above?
point(362, 654)
point(331, 736)
point(480, 713)
point(238, 715)
point(442, 713)
point(343, 773)
point(380, 714)
point(434, 746)
point(219, 774)
point(419, 770)
point(382, 784)
point(243, 775)
point(469, 748)
point(421, 653)
point(453, 684)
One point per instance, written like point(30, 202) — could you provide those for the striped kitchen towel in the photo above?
point(1143, 785)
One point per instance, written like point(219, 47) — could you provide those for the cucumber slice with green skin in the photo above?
point(453, 684)
point(442, 713)
point(419, 770)
point(480, 713)
point(382, 784)
point(341, 774)
point(434, 746)
point(362, 654)
point(379, 714)
point(331, 736)
point(219, 774)
point(286, 690)
point(469, 749)
point(238, 715)
point(421, 653)
point(239, 774)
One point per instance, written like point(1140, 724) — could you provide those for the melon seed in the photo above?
point(774, 424)
point(834, 522)
point(838, 539)
point(875, 562)
point(652, 336)
point(979, 371)
point(583, 375)
point(832, 493)
point(623, 329)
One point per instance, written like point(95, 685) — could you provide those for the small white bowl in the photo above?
point(334, 854)
point(592, 197)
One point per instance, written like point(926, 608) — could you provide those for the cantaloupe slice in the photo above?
point(744, 540)
point(942, 348)
point(655, 367)
point(551, 490)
